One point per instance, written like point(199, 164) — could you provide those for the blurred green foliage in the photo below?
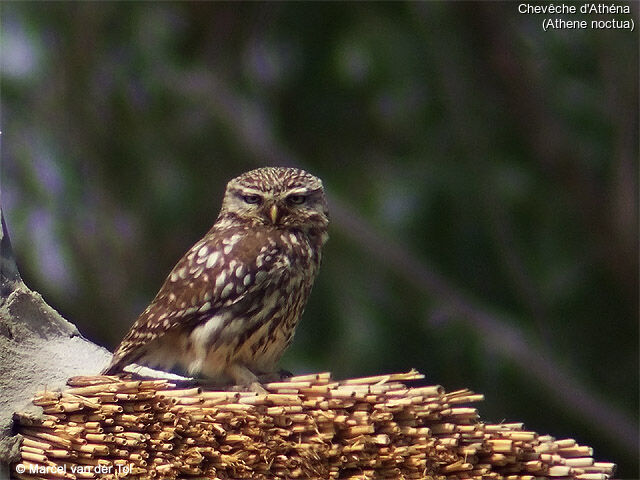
point(501, 157)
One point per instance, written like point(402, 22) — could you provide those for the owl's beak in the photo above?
point(273, 213)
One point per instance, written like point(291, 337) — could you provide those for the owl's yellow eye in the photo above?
point(252, 199)
point(296, 199)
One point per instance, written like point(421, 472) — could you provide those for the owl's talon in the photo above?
point(258, 388)
point(252, 387)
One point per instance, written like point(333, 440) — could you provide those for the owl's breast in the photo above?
point(257, 288)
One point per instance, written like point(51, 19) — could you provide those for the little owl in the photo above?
point(229, 308)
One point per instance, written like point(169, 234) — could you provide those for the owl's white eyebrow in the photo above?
point(247, 190)
point(303, 191)
point(298, 191)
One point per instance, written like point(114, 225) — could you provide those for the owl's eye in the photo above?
point(296, 199)
point(252, 199)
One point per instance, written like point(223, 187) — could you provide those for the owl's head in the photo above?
point(276, 196)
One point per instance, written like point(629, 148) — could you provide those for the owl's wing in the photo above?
point(221, 270)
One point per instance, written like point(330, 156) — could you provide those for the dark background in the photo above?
point(483, 177)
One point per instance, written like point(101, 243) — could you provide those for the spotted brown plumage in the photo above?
point(230, 306)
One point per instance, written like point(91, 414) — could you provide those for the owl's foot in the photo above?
point(244, 378)
point(257, 387)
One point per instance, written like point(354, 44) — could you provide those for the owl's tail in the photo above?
point(113, 368)
point(118, 362)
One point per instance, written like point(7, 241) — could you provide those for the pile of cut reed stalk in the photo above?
point(307, 426)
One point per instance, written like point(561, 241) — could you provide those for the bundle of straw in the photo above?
point(307, 426)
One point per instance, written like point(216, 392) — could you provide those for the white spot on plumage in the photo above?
point(182, 273)
point(226, 291)
point(173, 277)
point(213, 258)
point(203, 251)
point(227, 249)
point(240, 271)
point(220, 279)
point(205, 307)
point(247, 279)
